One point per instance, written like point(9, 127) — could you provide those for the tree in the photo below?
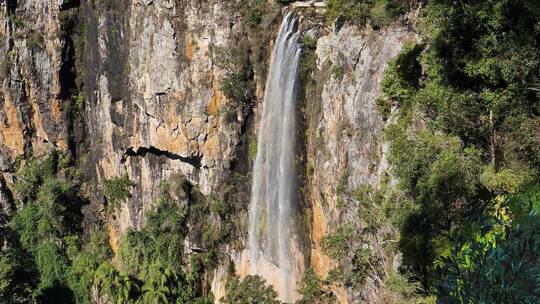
point(252, 289)
point(17, 276)
point(314, 290)
point(498, 262)
point(119, 287)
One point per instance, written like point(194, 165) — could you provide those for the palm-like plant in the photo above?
point(160, 286)
point(120, 287)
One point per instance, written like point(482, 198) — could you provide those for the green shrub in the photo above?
point(401, 80)
point(239, 87)
point(308, 64)
point(17, 22)
point(314, 290)
point(354, 268)
point(378, 12)
point(252, 151)
point(252, 289)
point(116, 190)
point(79, 103)
point(255, 13)
point(309, 41)
point(401, 285)
point(117, 286)
point(338, 72)
point(338, 245)
point(34, 41)
point(343, 182)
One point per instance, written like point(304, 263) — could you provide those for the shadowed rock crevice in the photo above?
point(69, 4)
point(68, 72)
point(11, 5)
point(194, 161)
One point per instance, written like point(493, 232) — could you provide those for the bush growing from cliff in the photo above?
point(401, 80)
point(116, 190)
point(377, 12)
point(338, 72)
point(309, 41)
point(239, 87)
point(346, 246)
point(34, 41)
point(308, 64)
point(255, 13)
point(252, 289)
point(315, 290)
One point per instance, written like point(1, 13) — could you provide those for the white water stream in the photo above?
point(273, 196)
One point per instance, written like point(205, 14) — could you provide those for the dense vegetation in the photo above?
point(252, 289)
point(465, 147)
point(48, 259)
point(377, 13)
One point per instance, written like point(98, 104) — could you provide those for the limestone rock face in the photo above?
point(128, 87)
point(347, 149)
point(155, 95)
point(31, 95)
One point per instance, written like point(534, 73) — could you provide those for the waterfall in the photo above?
point(273, 197)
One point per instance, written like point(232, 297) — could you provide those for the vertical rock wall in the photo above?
point(154, 95)
point(345, 146)
point(32, 119)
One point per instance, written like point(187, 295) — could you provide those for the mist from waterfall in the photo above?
point(273, 196)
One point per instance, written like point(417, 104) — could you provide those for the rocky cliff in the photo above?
point(345, 148)
point(135, 88)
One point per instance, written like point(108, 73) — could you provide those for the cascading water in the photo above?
point(273, 199)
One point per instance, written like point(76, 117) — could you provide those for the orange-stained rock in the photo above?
point(56, 109)
point(322, 264)
point(211, 146)
point(215, 102)
point(190, 45)
point(11, 131)
point(218, 97)
point(113, 237)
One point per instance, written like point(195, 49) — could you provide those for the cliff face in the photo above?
point(345, 146)
point(154, 102)
point(135, 88)
point(32, 95)
point(131, 87)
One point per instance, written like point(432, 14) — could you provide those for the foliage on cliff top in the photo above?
point(375, 12)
